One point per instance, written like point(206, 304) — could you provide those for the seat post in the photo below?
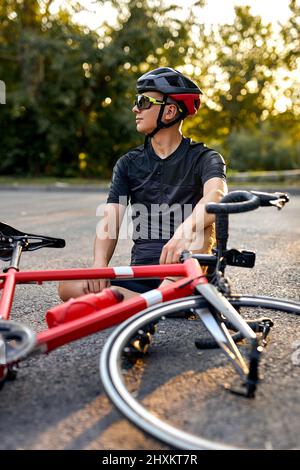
point(16, 256)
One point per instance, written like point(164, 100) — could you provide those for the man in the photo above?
point(162, 178)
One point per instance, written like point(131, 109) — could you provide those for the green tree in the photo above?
point(290, 33)
point(69, 90)
point(238, 64)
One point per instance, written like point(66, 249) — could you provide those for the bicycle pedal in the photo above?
point(141, 345)
point(138, 345)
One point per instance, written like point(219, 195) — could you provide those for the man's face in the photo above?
point(146, 119)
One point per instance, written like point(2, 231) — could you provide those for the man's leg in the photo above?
point(132, 287)
point(203, 244)
point(73, 289)
point(70, 289)
point(129, 288)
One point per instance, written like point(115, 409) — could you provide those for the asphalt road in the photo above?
point(57, 401)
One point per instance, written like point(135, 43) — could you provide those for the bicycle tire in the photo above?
point(111, 373)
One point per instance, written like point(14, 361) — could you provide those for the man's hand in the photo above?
point(94, 286)
point(180, 241)
point(188, 233)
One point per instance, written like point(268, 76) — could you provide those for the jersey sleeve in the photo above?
point(212, 165)
point(119, 191)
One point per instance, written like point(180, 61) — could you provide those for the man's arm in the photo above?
point(186, 234)
point(105, 243)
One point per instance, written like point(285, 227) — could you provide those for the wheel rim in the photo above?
point(115, 386)
point(16, 342)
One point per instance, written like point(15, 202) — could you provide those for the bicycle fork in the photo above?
point(222, 336)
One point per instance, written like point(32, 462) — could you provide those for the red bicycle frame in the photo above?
point(51, 338)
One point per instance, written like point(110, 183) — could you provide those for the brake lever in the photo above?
point(279, 203)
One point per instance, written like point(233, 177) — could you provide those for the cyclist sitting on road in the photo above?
point(168, 181)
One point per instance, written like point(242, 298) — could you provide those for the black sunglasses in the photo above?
point(145, 101)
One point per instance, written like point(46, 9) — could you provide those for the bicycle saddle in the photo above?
point(9, 236)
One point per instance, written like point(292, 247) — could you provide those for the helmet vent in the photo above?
point(149, 83)
point(173, 81)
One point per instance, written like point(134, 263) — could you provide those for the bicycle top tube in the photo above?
point(190, 268)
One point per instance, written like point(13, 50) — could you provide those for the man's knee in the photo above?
point(62, 291)
point(205, 240)
point(70, 289)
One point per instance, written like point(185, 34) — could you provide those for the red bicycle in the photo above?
point(208, 296)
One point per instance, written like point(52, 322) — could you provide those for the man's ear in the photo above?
point(171, 111)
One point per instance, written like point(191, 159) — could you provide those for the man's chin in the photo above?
point(142, 130)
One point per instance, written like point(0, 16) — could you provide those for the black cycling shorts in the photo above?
point(140, 286)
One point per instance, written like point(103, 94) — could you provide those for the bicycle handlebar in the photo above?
point(234, 202)
point(272, 199)
point(244, 201)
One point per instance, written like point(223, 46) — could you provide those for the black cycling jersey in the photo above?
point(162, 191)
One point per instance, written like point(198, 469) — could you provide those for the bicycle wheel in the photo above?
point(112, 375)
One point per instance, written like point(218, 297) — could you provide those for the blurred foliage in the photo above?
point(263, 148)
point(70, 90)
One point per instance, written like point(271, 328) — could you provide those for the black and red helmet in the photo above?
point(172, 83)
